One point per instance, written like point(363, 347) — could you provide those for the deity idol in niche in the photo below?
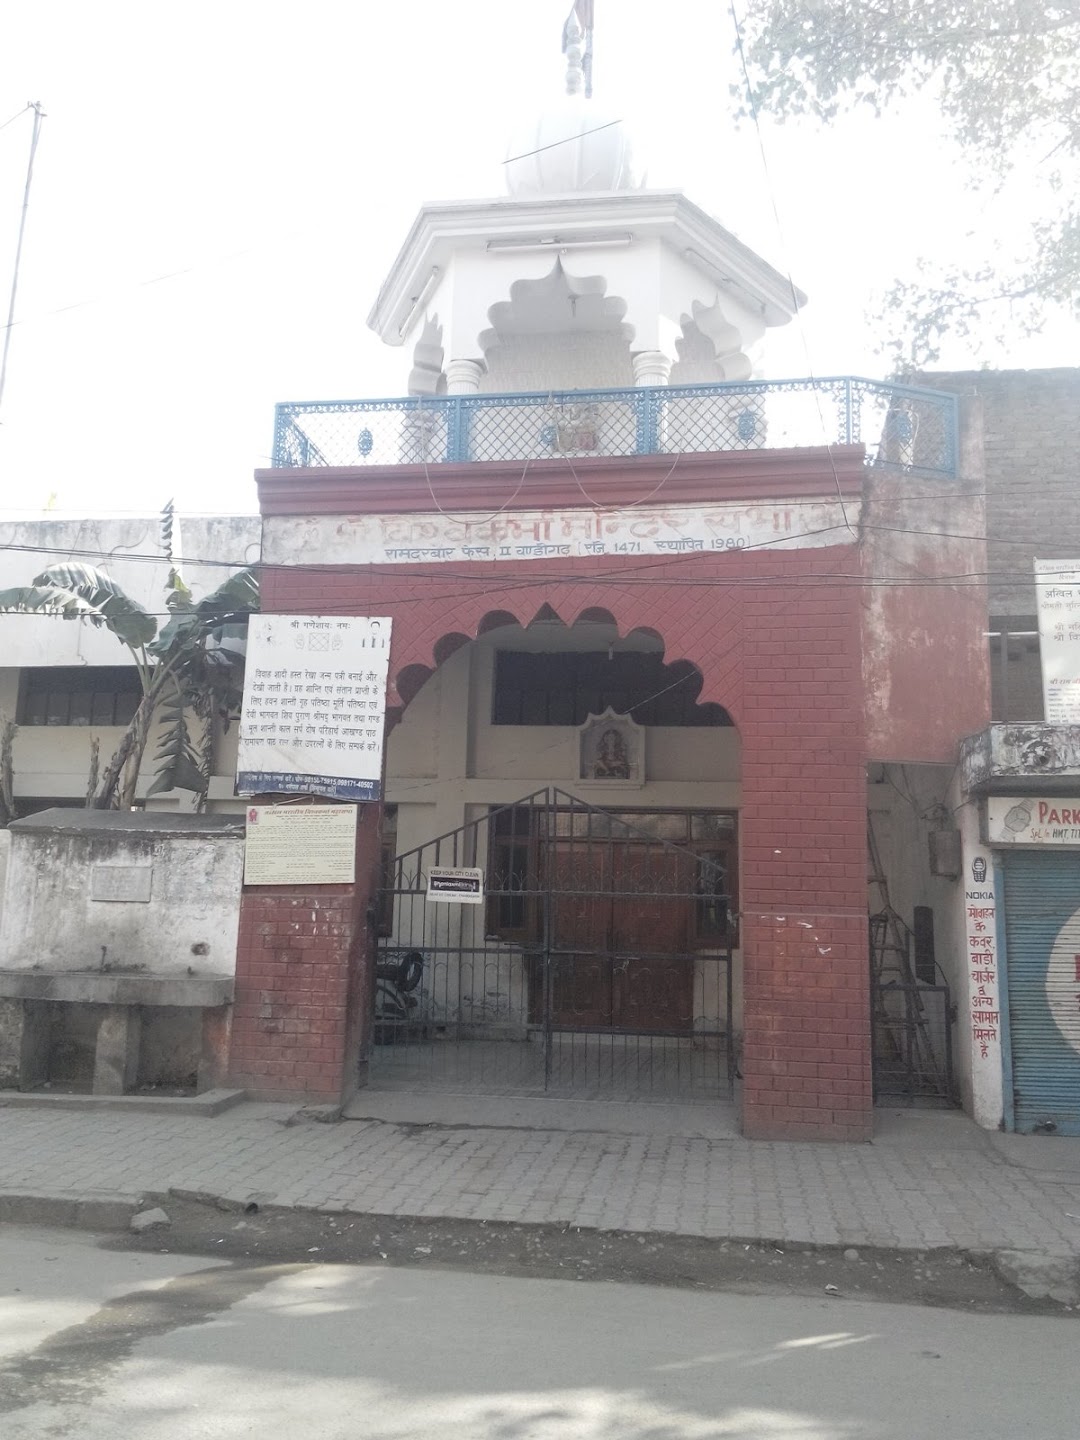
point(612, 762)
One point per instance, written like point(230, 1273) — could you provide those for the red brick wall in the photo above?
point(806, 1056)
point(776, 635)
point(302, 975)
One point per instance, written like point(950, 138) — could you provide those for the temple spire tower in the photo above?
point(580, 277)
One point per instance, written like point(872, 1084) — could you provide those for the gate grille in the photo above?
point(598, 963)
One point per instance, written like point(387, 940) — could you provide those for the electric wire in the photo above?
point(665, 562)
point(567, 140)
point(18, 113)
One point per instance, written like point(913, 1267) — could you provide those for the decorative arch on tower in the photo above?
point(524, 345)
point(709, 348)
point(426, 376)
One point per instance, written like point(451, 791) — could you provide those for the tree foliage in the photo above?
point(1004, 75)
point(190, 671)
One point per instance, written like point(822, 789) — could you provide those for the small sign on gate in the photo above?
point(458, 885)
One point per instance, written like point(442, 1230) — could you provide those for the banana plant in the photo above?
point(190, 670)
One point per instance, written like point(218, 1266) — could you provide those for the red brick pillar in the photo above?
point(301, 1013)
point(806, 1050)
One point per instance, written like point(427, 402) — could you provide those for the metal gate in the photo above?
point(596, 961)
point(1042, 951)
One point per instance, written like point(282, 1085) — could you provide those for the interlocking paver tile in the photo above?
point(912, 1195)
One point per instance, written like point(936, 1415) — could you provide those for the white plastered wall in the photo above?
point(52, 921)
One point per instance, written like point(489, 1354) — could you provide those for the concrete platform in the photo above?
point(209, 1103)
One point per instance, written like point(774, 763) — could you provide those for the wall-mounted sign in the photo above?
point(300, 845)
point(121, 884)
point(1026, 820)
point(432, 538)
point(980, 914)
point(314, 706)
point(459, 884)
point(1057, 593)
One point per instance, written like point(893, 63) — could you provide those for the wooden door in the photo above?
point(621, 918)
point(579, 885)
point(652, 918)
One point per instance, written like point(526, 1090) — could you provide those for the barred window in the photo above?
point(80, 695)
point(565, 689)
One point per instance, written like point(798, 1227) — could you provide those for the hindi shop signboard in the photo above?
point(1057, 592)
point(314, 710)
point(300, 845)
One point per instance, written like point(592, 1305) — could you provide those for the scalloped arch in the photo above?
point(411, 678)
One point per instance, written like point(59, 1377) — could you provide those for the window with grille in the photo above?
point(565, 689)
point(80, 695)
point(512, 881)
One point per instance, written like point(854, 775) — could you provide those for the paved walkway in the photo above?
point(927, 1180)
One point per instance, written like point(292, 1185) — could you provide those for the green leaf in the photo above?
point(107, 604)
point(239, 595)
point(46, 600)
point(176, 758)
point(177, 594)
point(224, 609)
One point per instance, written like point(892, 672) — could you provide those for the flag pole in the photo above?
point(39, 115)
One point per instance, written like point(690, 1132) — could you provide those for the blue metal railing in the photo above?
point(900, 425)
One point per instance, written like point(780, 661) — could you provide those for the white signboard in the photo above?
point(300, 845)
point(1024, 820)
point(314, 706)
point(980, 914)
point(1057, 593)
point(424, 539)
point(458, 885)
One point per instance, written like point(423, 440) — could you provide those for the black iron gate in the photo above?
point(596, 960)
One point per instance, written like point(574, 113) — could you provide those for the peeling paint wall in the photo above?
point(51, 921)
point(925, 657)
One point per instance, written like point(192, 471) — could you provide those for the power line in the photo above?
point(568, 140)
point(787, 502)
point(18, 113)
point(973, 580)
point(378, 568)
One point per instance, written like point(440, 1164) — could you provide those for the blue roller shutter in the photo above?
point(1042, 933)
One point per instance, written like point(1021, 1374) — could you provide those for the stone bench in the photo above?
point(25, 1021)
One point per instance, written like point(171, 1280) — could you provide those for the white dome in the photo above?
point(571, 147)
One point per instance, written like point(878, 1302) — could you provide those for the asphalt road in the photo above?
point(99, 1343)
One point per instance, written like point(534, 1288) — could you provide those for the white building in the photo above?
point(65, 683)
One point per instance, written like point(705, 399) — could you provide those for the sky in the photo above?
point(220, 189)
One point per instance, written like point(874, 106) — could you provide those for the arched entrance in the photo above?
point(574, 778)
point(777, 635)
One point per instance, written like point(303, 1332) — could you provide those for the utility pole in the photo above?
point(39, 115)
